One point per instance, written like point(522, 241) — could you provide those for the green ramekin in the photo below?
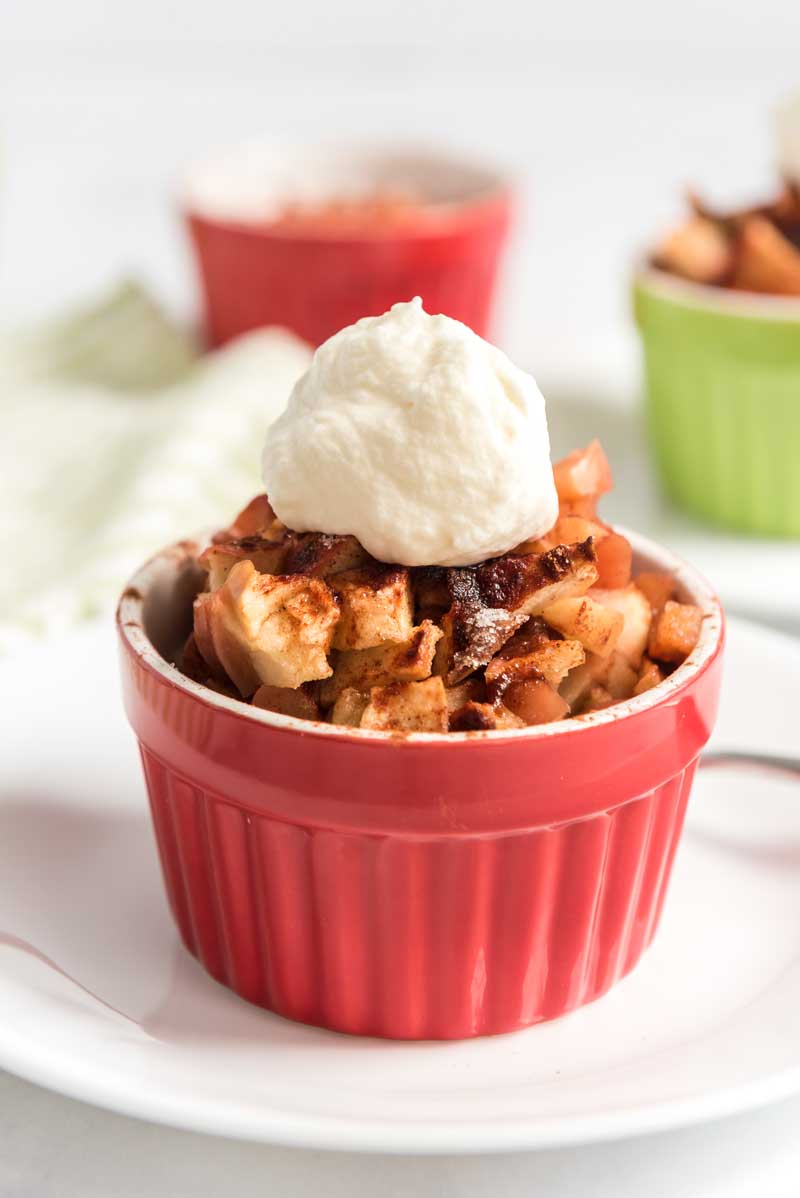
point(722, 381)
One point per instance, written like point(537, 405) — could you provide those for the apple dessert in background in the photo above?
point(752, 249)
point(717, 302)
point(311, 238)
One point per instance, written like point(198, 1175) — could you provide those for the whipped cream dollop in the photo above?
point(787, 133)
point(418, 437)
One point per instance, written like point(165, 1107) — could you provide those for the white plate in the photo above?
point(755, 577)
point(707, 1024)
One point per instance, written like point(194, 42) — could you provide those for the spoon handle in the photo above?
point(766, 761)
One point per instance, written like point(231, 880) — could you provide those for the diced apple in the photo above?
point(471, 635)
point(535, 702)
point(766, 260)
point(698, 250)
point(483, 717)
point(582, 473)
point(528, 584)
point(635, 609)
point(404, 661)
point(267, 629)
point(675, 631)
point(597, 699)
point(649, 676)
point(267, 555)
point(376, 606)
point(349, 707)
point(407, 707)
point(597, 627)
point(257, 515)
point(657, 585)
point(204, 635)
point(286, 701)
point(552, 659)
point(584, 506)
point(620, 677)
point(472, 716)
point(469, 691)
point(578, 683)
point(321, 554)
point(614, 557)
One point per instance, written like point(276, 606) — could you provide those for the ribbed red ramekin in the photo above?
point(420, 886)
point(255, 274)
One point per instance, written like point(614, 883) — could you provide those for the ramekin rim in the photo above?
point(499, 191)
point(778, 309)
point(129, 619)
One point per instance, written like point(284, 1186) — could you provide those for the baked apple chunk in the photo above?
point(404, 661)
point(530, 583)
point(376, 606)
point(266, 554)
point(407, 707)
point(321, 554)
point(471, 635)
point(267, 629)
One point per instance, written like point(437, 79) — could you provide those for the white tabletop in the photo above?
point(53, 1147)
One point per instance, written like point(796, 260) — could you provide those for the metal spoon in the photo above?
point(734, 757)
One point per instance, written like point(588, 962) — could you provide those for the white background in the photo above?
point(605, 111)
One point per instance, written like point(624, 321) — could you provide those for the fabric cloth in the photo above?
point(117, 438)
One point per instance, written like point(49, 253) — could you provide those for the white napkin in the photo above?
point(117, 439)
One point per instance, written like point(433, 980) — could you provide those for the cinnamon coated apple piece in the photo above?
point(584, 473)
point(635, 609)
point(257, 515)
point(270, 629)
point(597, 699)
point(407, 707)
point(393, 661)
point(530, 583)
point(471, 690)
point(657, 586)
point(203, 633)
point(537, 650)
point(321, 554)
point(598, 628)
point(584, 506)
point(267, 554)
point(483, 717)
point(619, 677)
point(567, 530)
point(256, 518)
point(614, 559)
point(376, 606)
point(349, 707)
point(675, 632)
point(649, 676)
point(766, 261)
point(699, 250)
point(534, 701)
point(287, 701)
point(471, 635)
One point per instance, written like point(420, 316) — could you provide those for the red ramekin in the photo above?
point(411, 886)
point(315, 283)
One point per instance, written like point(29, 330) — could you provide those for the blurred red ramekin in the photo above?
point(419, 886)
point(316, 279)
